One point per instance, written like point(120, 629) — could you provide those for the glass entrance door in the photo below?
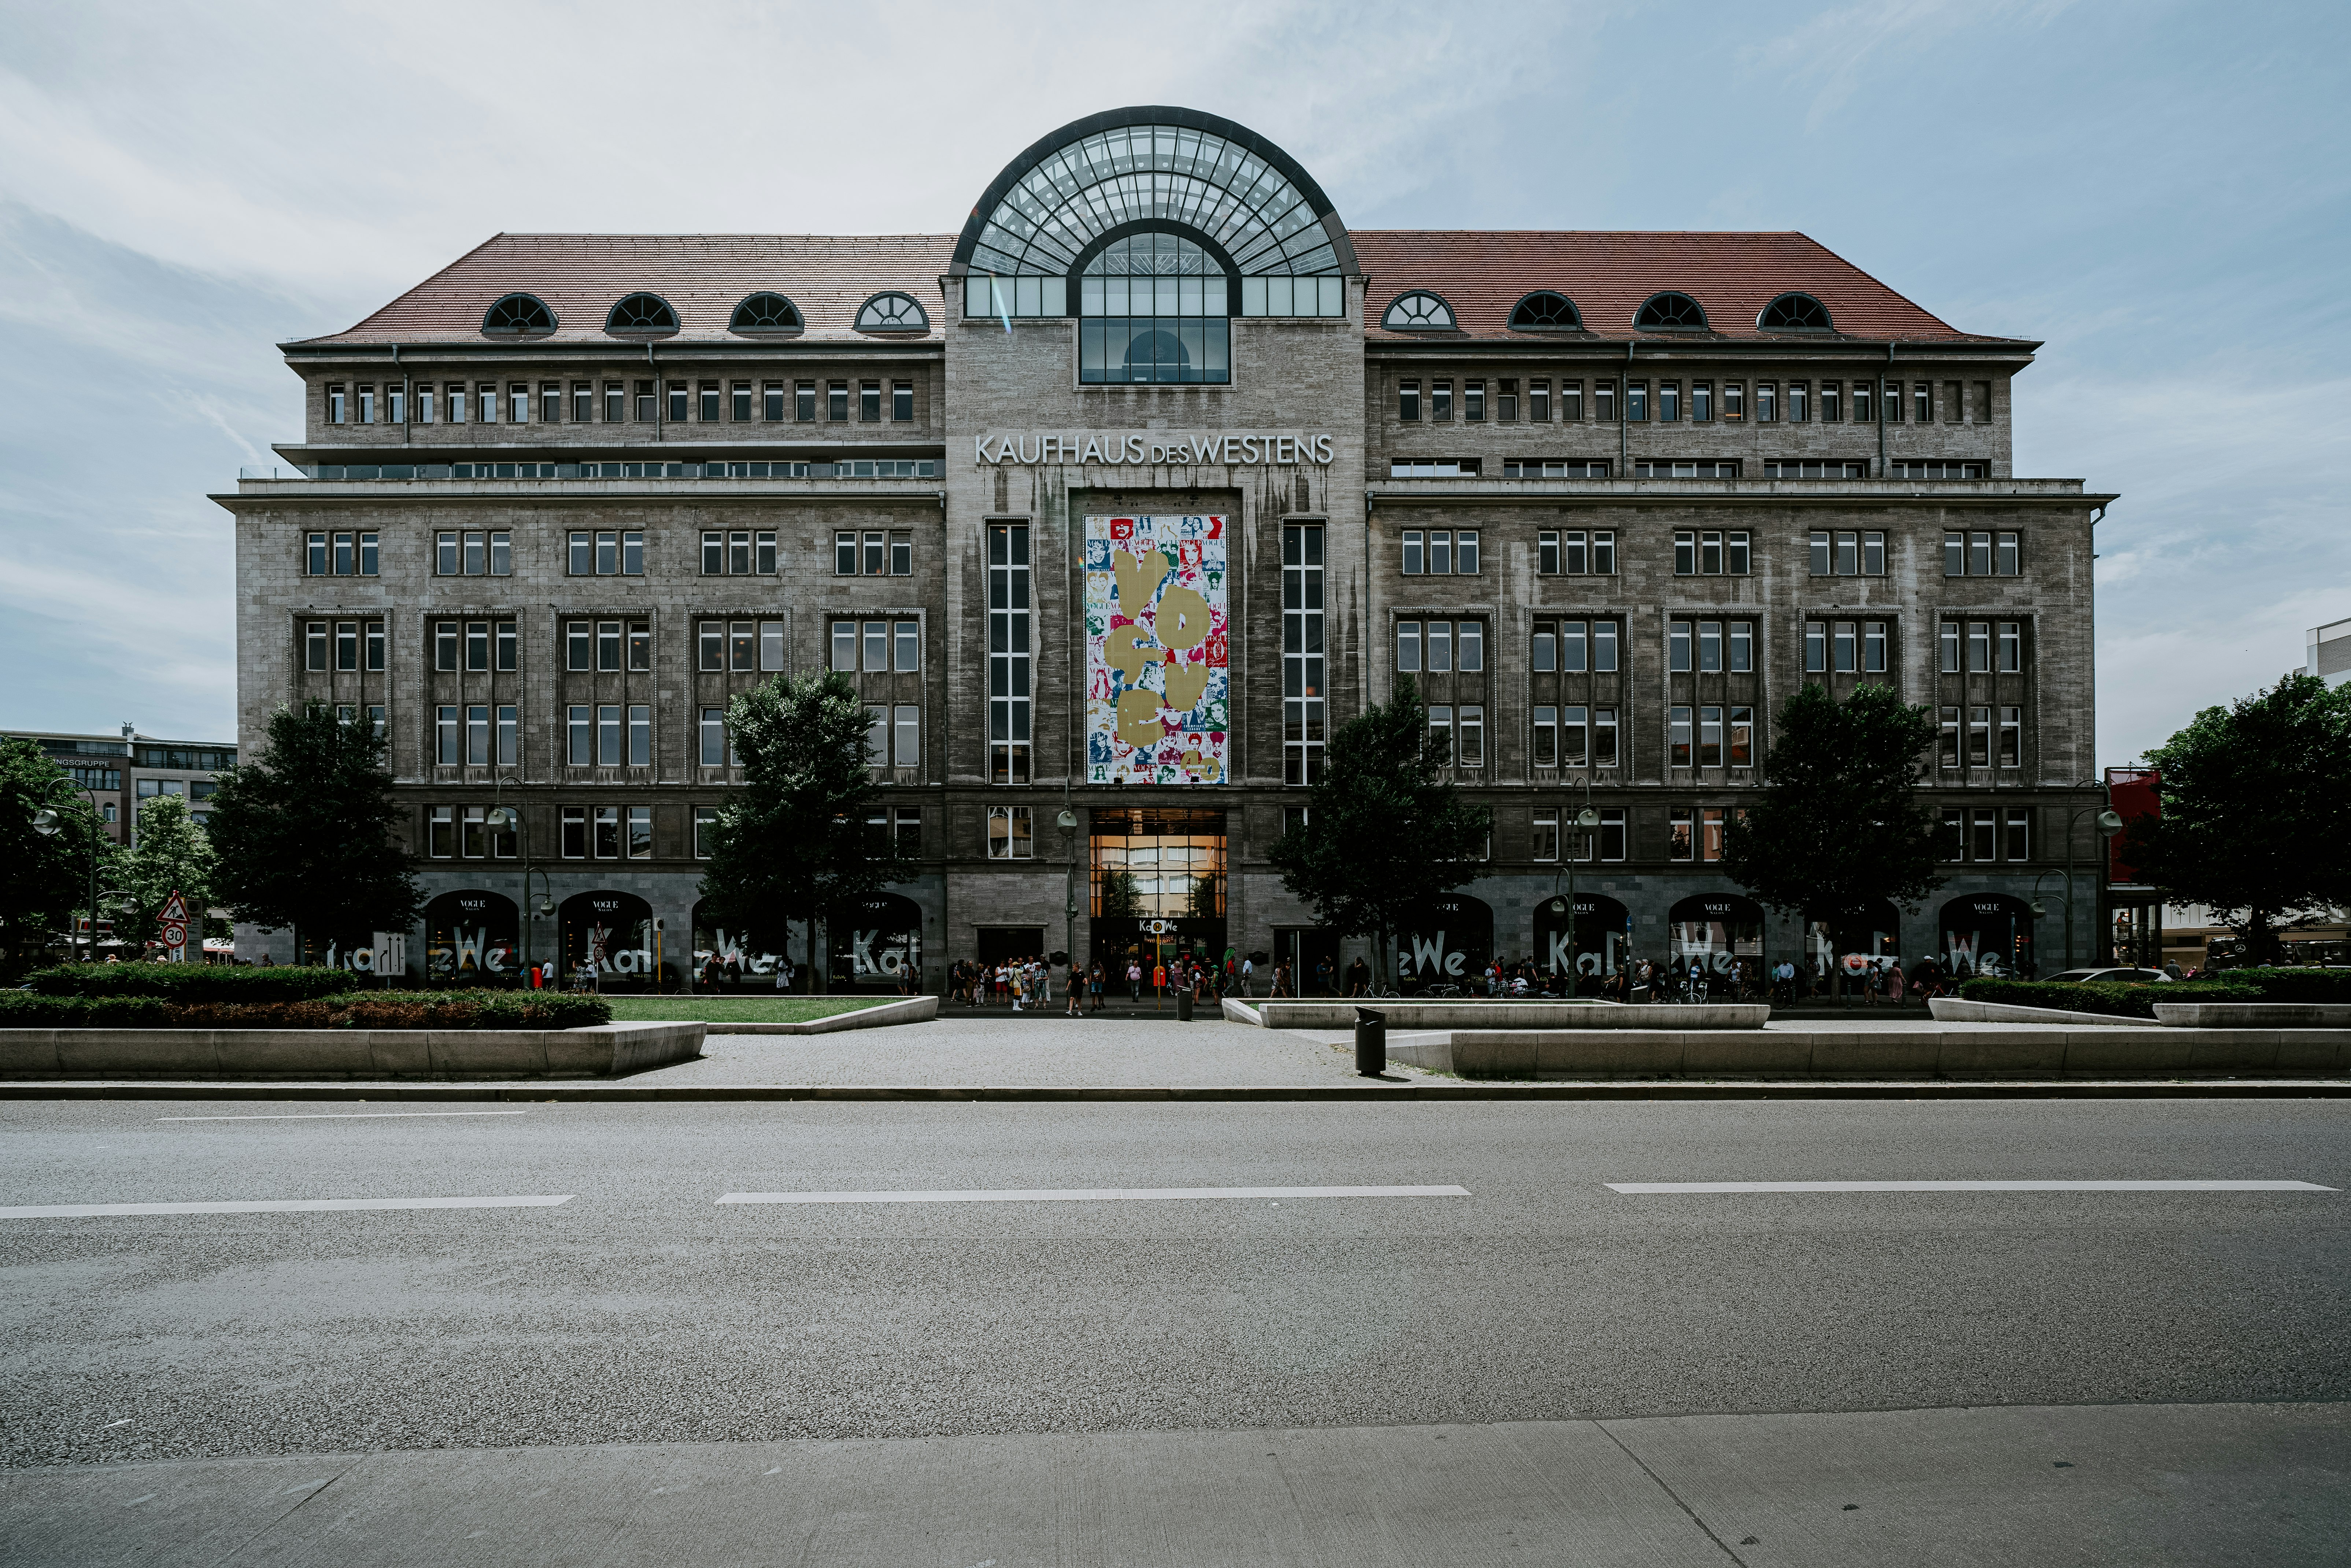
point(1159, 886)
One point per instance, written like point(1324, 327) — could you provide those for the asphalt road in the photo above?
point(642, 1310)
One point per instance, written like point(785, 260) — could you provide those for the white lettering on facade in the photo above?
point(1031, 448)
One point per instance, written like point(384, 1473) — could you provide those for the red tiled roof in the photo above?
point(1483, 274)
point(702, 276)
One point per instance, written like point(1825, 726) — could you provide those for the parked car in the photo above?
point(2113, 977)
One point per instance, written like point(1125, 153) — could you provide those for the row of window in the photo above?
point(608, 832)
point(614, 646)
point(762, 468)
point(682, 402)
point(1707, 552)
point(475, 553)
point(1774, 402)
point(645, 314)
point(618, 734)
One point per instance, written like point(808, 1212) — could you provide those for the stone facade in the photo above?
point(589, 445)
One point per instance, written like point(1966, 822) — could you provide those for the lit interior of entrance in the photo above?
point(1158, 883)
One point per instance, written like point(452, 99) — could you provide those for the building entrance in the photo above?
point(1159, 886)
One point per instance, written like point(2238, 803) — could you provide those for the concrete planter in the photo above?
point(2253, 1014)
point(905, 1010)
point(1581, 1016)
point(598, 1051)
point(1958, 1010)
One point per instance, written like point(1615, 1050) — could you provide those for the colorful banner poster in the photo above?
point(1158, 687)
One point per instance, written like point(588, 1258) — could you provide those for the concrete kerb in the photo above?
point(1471, 1014)
point(1414, 1091)
point(599, 1050)
point(905, 1010)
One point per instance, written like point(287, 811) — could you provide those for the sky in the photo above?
point(2156, 191)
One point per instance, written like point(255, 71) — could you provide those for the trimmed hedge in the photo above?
point(186, 982)
point(2320, 985)
point(357, 1010)
point(2116, 1000)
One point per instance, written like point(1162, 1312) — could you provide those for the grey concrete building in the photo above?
point(1114, 504)
point(2327, 653)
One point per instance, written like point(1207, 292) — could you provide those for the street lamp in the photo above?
point(509, 819)
point(2109, 822)
point(1584, 821)
point(1068, 823)
point(48, 825)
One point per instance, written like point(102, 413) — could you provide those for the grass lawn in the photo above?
point(736, 1009)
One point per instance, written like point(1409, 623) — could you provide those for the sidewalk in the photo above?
point(2207, 1484)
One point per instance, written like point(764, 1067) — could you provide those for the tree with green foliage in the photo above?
point(1837, 827)
point(794, 845)
point(1385, 831)
point(2256, 818)
point(1122, 899)
point(303, 835)
point(171, 853)
point(44, 877)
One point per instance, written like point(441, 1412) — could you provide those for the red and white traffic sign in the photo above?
point(174, 934)
point(175, 910)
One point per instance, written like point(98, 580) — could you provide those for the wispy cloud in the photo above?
point(1834, 51)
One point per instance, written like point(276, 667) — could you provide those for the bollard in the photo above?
point(1371, 1043)
point(1184, 1006)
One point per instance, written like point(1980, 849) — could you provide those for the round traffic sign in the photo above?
point(175, 936)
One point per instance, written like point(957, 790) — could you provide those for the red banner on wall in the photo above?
point(2137, 797)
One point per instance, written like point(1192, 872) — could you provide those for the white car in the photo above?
point(2113, 977)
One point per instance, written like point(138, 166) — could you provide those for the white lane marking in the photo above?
point(1638, 1187)
point(111, 1425)
point(338, 1115)
point(1091, 1194)
point(276, 1206)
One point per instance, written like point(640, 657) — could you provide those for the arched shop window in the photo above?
point(1601, 942)
point(473, 934)
point(1720, 930)
point(1446, 941)
point(1989, 934)
point(747, 956)
point(1794, 313)
point(1242, 199)
point(1870, 936)
point(877, 945)
point(1419, 311)
point(1153, 307)
point(614, 932)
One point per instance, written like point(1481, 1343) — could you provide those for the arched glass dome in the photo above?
point(1168, 169)
point(1155, 308)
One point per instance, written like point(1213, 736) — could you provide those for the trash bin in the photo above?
point(1184, 1006)
point(1371, 1043)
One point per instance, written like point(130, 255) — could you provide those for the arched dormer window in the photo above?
point(766, 312)
point(1795, 312)
point(1671, 311)
point(1419, 311)
point(518, 314)
point(1545, 311)
point(641, 313)
point(893, 312)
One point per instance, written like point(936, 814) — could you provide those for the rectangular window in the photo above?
point(641, 645)
point(738, 553)
point(1546, 553)
point(318, 546)
point(1843, 648)
point(836, 400)
point(1767, 403)
point(771, 646)
point(1008, 658)
point(869, 402)
point(1829, 402)
point(902, 402)
point(477, 645)
point(1985, 845)
point(608, 645)
point(742, 646)
point(1413, 551)
point(1737, 555)
point(1742, 737)
point(1465, 553)
point(1798, 396)
point(2019, 835)
point(706, 831)
point(844, 645)
point(575, 833)
point(375, 644)
point(1979, 648)
point(1677, 646)
point(579, 730)
point(1816, 648)
point(1684, 553)
point(1821, 565)
point(1604, 552)
point(2012, 647)
point(1470, 640)
point(2012, 737)
point(741, 402)
point(608, 735)
point(1872, 554)
point(1469, 747)
point(713, 737)
point(1009, 836)
point(507, 740)
point(1408, 402)
point(641, 832)
point(712, 642)
point(347, 645)
point(1710, 737)
point(1670, 402)
point(906, 636)
point(1408, 647)
point(1545, 753)
point(1440, 552)
point(641, 735)
point(579, 645)
point(1952, 841)
point(1710, 646)
point(1922, 404)
point(907, 727)
point(1951, 647)
point(1872, 647)
point(2004, 565)
point(709, 401)
point(1546, 648)
point(444, 735)
point(875, 559)
point(1473, 402)
point(1604, 647)
point(478, 735)
point(804, 401)
point(1440, 735)
point(1680, 834)
point(1570, 403)
point(1979, 737)
point(367, 405)
point(1440, 402)
point(1304, 682)
point(607, 841)
point(1979, 554)
point(1636, 401)
point(902, 553)
point(1440, 647)
point(1573, 653)
point(1539, 402)
point(1979, 403)
point(877, 645)
point(441, 832)
point(1575, 735)
point(1604, 739)
point(550, 402)
point(1677, 737)
point(477, 554)
point(1849, 555)
point(1702, 401)
point(1545, 837)
point(343, 552)
point(445, 645)
point(1742, 647)
point(844, 554)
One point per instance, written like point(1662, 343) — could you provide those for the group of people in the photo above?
point(1033, 983)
